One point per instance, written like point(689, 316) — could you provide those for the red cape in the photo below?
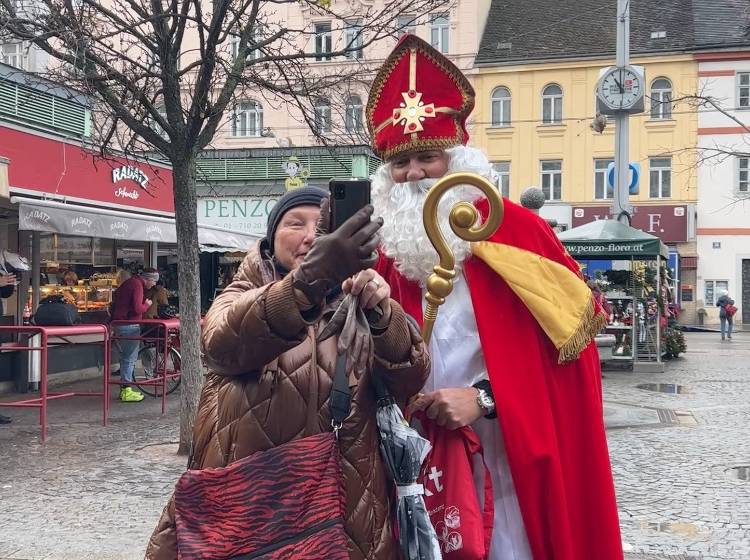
point(550, 414)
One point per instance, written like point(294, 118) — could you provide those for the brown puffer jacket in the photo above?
point(266, 368)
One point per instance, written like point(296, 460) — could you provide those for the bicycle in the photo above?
point(151, 366)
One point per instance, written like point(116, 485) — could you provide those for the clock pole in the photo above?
point(621, 208)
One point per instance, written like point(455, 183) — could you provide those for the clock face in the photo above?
point(620, 88)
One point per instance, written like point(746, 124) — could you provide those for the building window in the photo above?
point(439, 33)
point(353, 115)
point(501, 107)
point(234, 46)
point(660, 177)
point(322, 116)
point(661, 99)
point(552, 179)
point(16, 55)
point(406, 24)
point(713, 289)
point(602, 190)
point(502, 168)
point(743, 90)
point(323, 41)
point(247, 119)
point(743, 175)
point(552, 100)
point(354, 40)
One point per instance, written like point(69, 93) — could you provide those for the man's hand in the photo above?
point(148, 302)
point(7, 280)
point(452, 408)
point(373, 291)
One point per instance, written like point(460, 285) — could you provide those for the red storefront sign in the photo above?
point(668, 222)
point(49, 166)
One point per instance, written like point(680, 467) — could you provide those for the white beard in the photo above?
point(400, 204)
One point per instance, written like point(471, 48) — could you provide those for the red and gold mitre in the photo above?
point(419, 101)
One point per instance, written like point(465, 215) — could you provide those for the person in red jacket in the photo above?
point(513, 353)
point(130, 304)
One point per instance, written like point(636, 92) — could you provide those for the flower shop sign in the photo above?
point(612, 248)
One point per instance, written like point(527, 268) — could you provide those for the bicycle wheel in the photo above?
point(150, 366)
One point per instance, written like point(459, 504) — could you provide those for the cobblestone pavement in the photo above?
point(675, 487)
point(89, 492)
point(96, 493)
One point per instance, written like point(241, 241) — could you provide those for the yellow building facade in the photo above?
point(534, 122)
point(508, 124)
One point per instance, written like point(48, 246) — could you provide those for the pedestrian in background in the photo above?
point(159, 296)
point(130, 304)
point(726, 314)
point(121, 276)
point(69, 279)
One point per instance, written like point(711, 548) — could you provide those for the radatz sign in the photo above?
point(667, 222)
point(49, 166)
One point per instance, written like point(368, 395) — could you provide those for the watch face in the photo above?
point(620, 88)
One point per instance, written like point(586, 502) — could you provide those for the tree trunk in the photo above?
point(185, 202)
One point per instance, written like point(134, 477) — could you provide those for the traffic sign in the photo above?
point(635, 174)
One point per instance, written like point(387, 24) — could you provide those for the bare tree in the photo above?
point(165, 72)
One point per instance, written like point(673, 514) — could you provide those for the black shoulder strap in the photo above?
point(341, 394)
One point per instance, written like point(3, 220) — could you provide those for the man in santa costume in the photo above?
point(512, 349)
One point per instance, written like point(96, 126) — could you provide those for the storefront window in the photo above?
point(84, 269)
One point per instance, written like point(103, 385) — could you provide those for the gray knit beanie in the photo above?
point(305, 196)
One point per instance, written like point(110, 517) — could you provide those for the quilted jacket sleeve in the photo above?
point(401, 357)
point(248, 326)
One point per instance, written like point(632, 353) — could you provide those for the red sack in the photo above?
point(448, 474)
point(730, 310)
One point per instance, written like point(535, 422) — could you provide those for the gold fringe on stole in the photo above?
point(590, 326)
point(557, 297)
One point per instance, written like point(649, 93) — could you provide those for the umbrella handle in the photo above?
point(463, 218)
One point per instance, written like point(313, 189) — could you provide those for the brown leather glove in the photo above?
point(336, 256)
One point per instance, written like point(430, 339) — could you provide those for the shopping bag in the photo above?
point(461, 517)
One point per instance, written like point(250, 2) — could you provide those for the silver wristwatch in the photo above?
point(485, 401)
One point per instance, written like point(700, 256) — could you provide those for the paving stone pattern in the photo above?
point(675, 496)
point(96, 493)
point(89, 492)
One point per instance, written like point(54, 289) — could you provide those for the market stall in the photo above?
point(634, 287)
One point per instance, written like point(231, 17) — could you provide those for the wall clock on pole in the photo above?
point(620, 90)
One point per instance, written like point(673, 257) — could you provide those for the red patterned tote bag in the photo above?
point(283, 503)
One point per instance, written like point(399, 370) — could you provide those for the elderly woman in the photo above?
point(261, 343)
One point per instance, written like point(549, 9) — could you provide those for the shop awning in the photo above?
point(75, 219)
point(610, 239)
